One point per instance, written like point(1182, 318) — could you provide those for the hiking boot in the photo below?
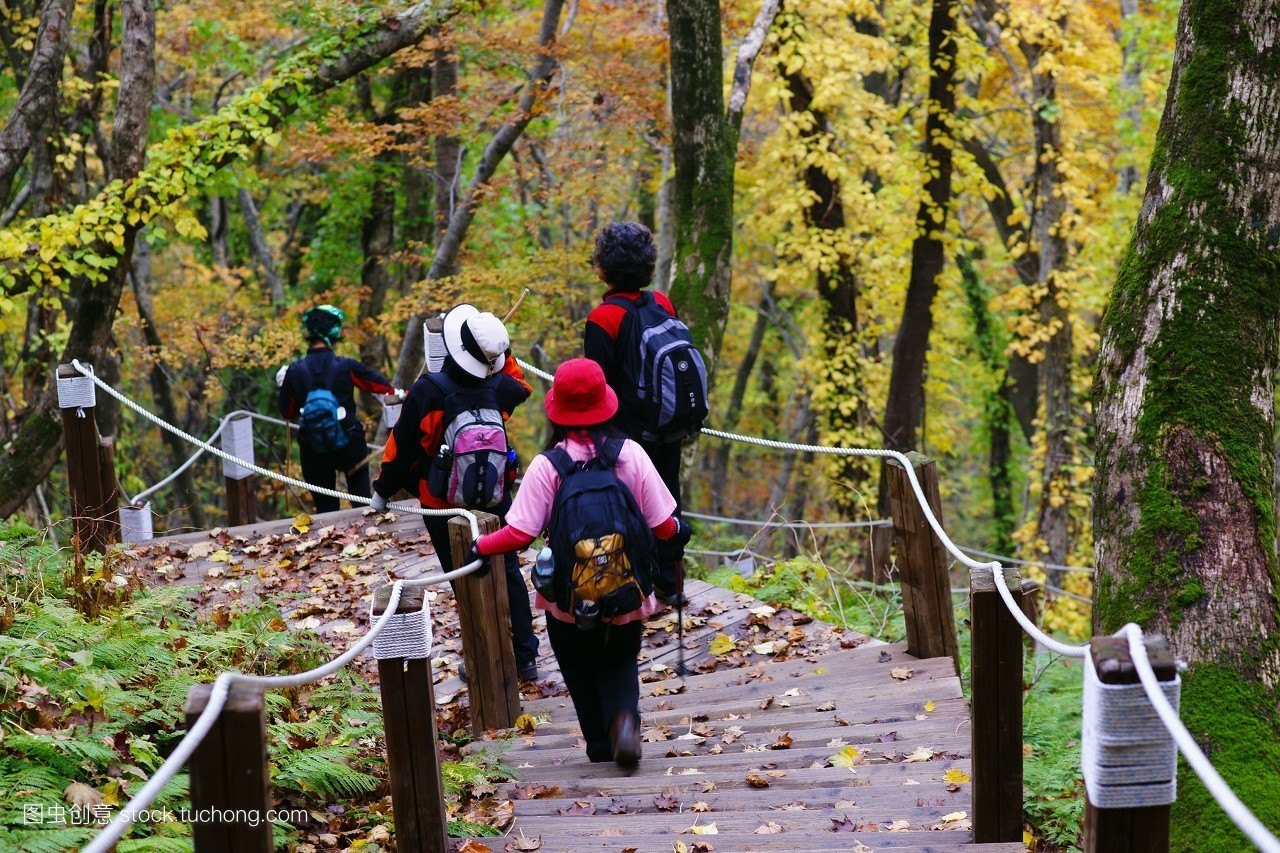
point(624, 737)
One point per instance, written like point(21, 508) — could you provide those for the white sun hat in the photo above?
point(477, 342)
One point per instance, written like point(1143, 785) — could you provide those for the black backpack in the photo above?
point(602, 547)
point(319, 426)
point(664, 375)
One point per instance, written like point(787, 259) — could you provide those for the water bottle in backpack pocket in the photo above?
point(320, 420)
point(601, 545)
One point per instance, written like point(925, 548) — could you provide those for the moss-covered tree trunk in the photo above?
point(702, 185)
point(1184, 520)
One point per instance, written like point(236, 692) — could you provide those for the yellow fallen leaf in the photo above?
point(220, 556)
point(902, 673)
point(929, 706)
point(766, 648)
point(526, 723)
point(899, 825)
point(704, 829)
point(955, 776)
point(922, 753)
point(847, 757)
point(721, 644)
point(302, 522)
point(954, 816)
point(679, 847)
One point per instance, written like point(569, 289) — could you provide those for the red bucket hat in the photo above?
point(579, 396)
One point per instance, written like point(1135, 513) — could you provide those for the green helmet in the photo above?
point(324, 322)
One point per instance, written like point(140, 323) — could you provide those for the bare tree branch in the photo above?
point(747, 53)
point(261, 248)
point(444, 262)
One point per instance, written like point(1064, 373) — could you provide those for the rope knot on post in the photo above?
point(407, 633)
point(1129, 758)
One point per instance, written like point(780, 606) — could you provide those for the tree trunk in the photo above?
point(1184, 521)
point(185, 489)
point(719, 465)
point(446, 147)
point(997, 410)
point(444, 262)
point(841, 408)
point(39, 92)
point(1130, 84)
point(703, 147)
point(904, 408)
point(262, 253)
point(1053, 528)
point(377, 242)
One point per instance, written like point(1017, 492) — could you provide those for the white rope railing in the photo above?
point(1014, 561)
point(788, 525)
point(115, 830)
point(142, 496)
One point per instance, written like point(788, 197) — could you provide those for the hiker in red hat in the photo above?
point(602, 505)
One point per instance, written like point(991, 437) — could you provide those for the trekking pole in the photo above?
point(514, 308)
point(680, 668)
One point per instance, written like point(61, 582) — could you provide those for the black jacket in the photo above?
point(313, 369)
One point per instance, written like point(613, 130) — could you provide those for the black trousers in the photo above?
point(601, 669)
point(523, 640)
point(321, 469)
point(666, 458)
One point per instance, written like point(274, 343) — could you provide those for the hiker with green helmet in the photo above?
point(318, 392)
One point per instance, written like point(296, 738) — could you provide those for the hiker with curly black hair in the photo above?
point(318, 390)
point(650, 362)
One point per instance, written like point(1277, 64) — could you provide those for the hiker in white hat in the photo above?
point(450, 448)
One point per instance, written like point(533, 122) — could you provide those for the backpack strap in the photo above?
point(563, 462)
point(610, 451)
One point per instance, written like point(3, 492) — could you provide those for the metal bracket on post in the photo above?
point(136, 523)
point(391, 414)
point(75, 390)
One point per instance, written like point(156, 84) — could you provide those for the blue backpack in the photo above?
point(319, 426)
point(602, 547)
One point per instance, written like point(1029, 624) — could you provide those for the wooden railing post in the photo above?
point(922, 563)
point(996, 683)
point(1031, 608)
point(237, 439)
point(1142, 829)
point(95, 499)
point(485, 619)
point(230, 784)
point(413, 756)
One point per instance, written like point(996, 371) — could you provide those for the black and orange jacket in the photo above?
point(308, 372)
point(420, 430)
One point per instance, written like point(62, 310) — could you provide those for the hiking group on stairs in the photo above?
point(605, 491)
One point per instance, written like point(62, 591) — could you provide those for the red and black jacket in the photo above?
point(607, 324)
